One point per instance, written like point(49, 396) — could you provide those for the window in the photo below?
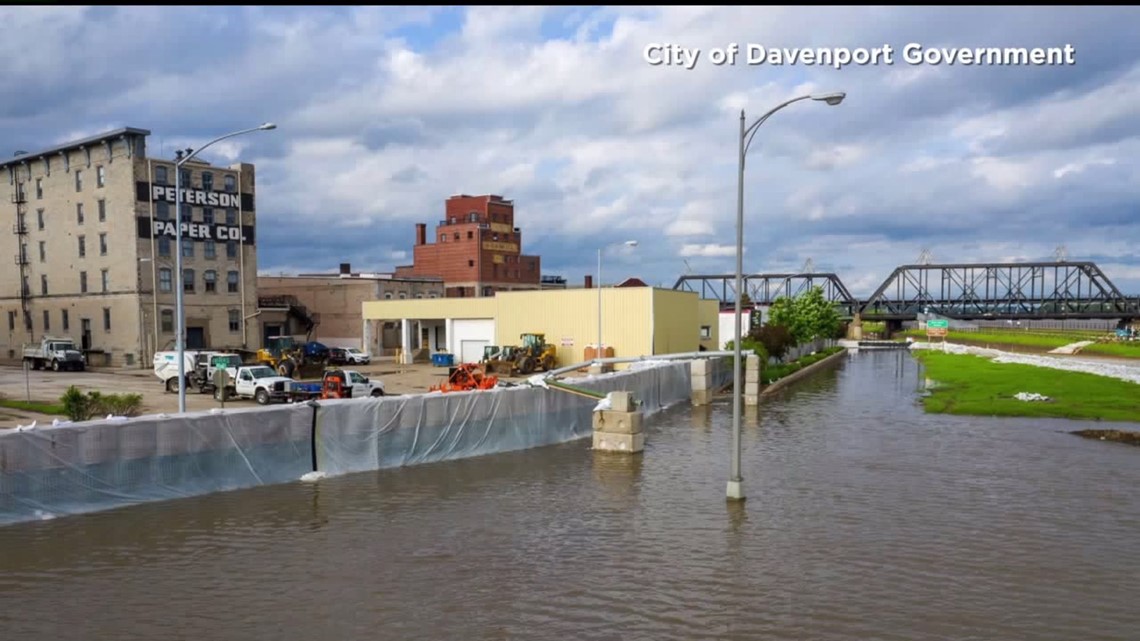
point(210, 278)
point(231, 184)
point(470, 263)
point(106, 278)
point(162, 210)
point(403, 295)
point(160, 175)
point(207, 181)
point(208, 214)
point(235, 320)
point(231, 249)
point(187, 247)
point(187, 213)
point(470, 235)
point(232, 282)
point(165, 278)
point(706, 331)
point(443, 238)
point(66, 320)
point(473, 217)
point(456, 236)
point(23, 253)
point(100, 176)
point(78, 180)
point(164, 246)
point(102, 243)
point(185, 174)
point(43, 250)
point(82, 282)
point(82, 246)
point(433, 295)
point(387, 295)
point(188, 280)
point(231, 214)
point(211, 250)
point(40, 219)
point(167, 321)
point(39, 188)
point(47, 321)
point(79, 213)
point(43, 286)
point(106, 319)
point(11, 321)
point(102, 210)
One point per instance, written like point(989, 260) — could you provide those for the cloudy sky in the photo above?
point(385, 112)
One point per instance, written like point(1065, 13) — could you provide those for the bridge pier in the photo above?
point(892, 326)
point(855, 329)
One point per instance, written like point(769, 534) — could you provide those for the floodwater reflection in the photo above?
point(865, 519)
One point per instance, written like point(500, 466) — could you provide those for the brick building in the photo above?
point(332, 304)
point(92, 236)
point(477, 249)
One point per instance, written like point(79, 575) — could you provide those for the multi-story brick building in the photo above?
point(93, 236)
point(335, 302)
point(478, 249)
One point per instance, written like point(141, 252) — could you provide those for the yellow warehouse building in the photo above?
point(636, 321)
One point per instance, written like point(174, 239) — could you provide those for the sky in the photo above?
point(385, 112)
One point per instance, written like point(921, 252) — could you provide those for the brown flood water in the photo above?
point(866, 519)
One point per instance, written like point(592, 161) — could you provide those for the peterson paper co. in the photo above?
point(196, 196)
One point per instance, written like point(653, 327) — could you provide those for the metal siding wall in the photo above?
point(676, 322)
point(573, 314)
point(429, 308)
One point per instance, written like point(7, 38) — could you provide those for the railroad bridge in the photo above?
point(964, 291)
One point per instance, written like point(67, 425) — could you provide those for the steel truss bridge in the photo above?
point(966, 291)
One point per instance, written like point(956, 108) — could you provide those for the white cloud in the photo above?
point(707, 251)
point(556, 109)
point(904, 77)
point(836, 157)
point(689, 228)
point(1005, 175)
point(926, 163)
point(1080, 167)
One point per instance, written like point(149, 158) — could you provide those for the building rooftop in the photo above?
point(22, 156)
point(347, 273)
point(358, 276)
point(491, 197)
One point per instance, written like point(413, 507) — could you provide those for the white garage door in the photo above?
point(469, 336)
point(472, 351)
